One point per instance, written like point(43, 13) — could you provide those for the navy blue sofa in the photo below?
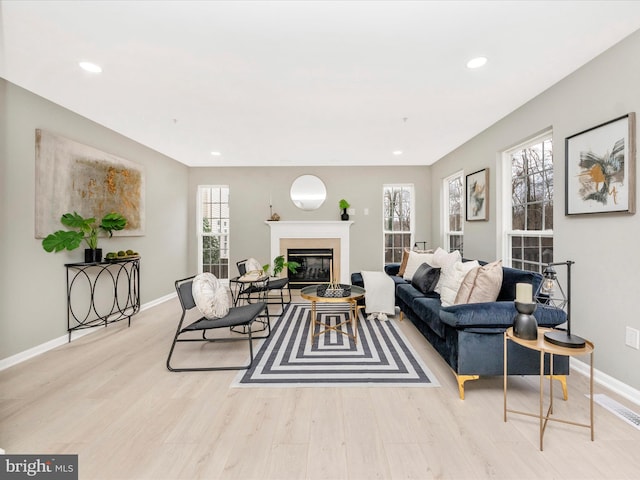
point(470, 337)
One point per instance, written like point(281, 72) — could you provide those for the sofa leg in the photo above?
point(401, 315)
point(463, 378)
point(563, 381)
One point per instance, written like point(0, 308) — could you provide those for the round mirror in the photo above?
point(308, 192)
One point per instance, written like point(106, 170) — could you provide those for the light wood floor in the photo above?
point(109, 398)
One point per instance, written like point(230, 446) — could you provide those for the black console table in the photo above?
point(101, 293)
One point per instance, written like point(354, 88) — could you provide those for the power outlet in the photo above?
point(632, 338)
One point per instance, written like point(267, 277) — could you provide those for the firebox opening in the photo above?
point(316, 266)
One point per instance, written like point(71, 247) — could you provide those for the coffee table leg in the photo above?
point(313, 320)
point(354, 320)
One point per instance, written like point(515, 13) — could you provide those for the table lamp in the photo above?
point(549, 286)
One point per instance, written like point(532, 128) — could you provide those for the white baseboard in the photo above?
point(56, 342)
point(607, 381)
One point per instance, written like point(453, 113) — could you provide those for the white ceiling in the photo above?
point(302, 83)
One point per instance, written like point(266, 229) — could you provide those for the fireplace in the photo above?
point(316, 235)
point(316, 266)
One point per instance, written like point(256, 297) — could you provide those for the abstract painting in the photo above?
point(477, 188)
point(72, 177)
point(600, 168)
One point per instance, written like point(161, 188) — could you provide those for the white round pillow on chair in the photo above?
point(210, 296)
point(252, 264)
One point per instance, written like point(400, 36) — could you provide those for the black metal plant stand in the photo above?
point(101, 293)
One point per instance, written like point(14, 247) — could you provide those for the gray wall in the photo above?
point(606, 280)
point(251, 188)
point(32, 288)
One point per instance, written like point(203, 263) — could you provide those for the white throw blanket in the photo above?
point(379, 294)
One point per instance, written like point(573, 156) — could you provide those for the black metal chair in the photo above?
point(271, 284)
point(243, 316)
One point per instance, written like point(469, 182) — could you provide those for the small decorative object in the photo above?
point(600, 168)
point(477, 188)
point(121, 255)
point(343, 206)
point(525, 325)
point(274, 217)
point(548, 296)
point(334, 290)
point(83, 229)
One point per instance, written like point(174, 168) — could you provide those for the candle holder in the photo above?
point(525, 325)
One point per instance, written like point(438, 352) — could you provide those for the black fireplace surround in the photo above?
point(316, 265)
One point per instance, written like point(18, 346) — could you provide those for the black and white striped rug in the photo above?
point(382, 356)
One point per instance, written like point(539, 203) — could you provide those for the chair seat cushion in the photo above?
point(242, 315)
point(211, 297)
point(277, 283)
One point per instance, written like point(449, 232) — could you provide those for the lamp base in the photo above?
point(563, 339)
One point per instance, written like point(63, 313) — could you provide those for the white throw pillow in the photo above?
point(252, 264)
point(414, 261)
point(444, 261)
point(481, 284)
point(452, 278)
point(211, 297)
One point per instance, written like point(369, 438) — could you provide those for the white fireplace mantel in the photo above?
point(314, 229)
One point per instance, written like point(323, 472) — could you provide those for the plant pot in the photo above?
point(345, 215)
point(92, 255)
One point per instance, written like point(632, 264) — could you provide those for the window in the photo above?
point(213, 230)
point(398, 221)
point(453, 212)
point(529, 223)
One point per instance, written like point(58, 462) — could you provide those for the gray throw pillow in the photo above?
point(426, 278)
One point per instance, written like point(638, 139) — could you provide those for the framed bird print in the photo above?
point(600, 168)
point(477, 191)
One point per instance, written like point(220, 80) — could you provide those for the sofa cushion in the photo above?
point(415, 260)
point(428, 310)
point(444, 260)
point(407, 293)
point(496, 315)
point(481, 284)
point(392, 269)
point(403, 262)
point(426, 278)
point(513, 276)
point(451, 279)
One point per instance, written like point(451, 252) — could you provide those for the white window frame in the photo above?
point(412, 216)
point(201, 234)
point(504, 205)
point(446, 233)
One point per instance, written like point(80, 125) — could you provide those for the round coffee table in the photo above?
point(311, 293)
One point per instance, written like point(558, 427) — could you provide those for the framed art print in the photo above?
point(477, 191)
point(600, 168)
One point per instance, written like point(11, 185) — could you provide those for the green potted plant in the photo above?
point(86, 229)
point(279, 264)
point(343, 206)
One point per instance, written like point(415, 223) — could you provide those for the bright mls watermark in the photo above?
point(51, 467)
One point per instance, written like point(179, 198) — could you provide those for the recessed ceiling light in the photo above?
point(476, 62)
point(90, 67)
point(216, 154)
point(397, 152)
